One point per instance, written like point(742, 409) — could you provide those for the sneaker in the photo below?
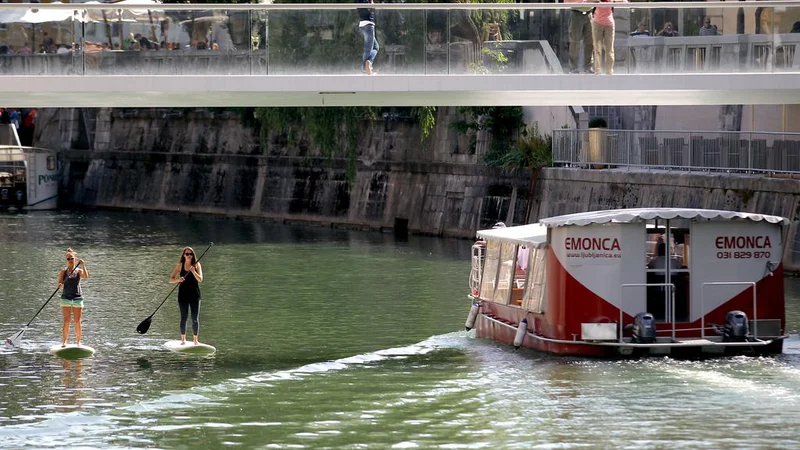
point(574, 71)
point(590, 71)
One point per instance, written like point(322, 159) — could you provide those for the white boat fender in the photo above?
point(473, 314)
point(522, 330)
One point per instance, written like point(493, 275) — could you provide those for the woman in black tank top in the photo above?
point(189, 274)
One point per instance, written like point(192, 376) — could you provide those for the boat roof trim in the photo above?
point(532, 236)
point(633, 215)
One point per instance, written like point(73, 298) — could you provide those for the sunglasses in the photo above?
point(70, 259)
point(188, 254)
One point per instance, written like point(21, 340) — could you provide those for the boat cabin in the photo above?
point(29, 178)
point(633, 281)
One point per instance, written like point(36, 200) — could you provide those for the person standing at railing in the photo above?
point(366, 26)
point(603, 28)
point(668, 30)
point(580, 30)
point(707, 29)
point(641, 30)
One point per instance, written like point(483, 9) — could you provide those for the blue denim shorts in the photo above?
point(76, 302)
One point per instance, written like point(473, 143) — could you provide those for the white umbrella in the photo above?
point(36, 15)
point(117, 12)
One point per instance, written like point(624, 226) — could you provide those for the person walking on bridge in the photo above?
point(366, 26)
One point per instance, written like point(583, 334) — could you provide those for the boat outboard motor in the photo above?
point(644, 328)
point(736, 328)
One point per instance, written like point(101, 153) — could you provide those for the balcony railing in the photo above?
point(743, 152)
point(423, 38)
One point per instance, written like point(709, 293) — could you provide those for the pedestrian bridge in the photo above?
point(137, 54)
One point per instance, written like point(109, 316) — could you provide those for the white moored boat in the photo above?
point(29, 178)
point(677, 281)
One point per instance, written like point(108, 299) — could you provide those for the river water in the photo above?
point(333, 339)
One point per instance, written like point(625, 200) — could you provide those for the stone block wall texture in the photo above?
point(209, 163)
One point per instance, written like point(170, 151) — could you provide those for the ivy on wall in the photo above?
point(334, 130)
point(426, 117)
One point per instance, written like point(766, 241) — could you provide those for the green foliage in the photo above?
point(493, 61)
point(483, 18)
point(513, 145)
point(426, 117)
point(598, 122)
point(532, 151)
point(335, 131)
point(504, 124)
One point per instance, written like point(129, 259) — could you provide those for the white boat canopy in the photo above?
point(532, 236)
point(633, 215)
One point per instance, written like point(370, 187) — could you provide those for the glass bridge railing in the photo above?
point(133, 37)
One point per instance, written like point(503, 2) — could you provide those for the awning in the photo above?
point(644, 214)
point(533, 235)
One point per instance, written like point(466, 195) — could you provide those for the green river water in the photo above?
point(333, 339)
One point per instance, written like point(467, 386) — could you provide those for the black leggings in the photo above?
point(195, 305)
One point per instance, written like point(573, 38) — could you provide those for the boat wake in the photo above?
point(209, 395)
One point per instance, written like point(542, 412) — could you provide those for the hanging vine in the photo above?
point(335, 131)
point(426, 117)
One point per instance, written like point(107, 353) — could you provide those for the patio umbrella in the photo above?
point(118, 12)
point(35, 16)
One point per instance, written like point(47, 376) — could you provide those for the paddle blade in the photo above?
point(144, 326)
point(15, 339)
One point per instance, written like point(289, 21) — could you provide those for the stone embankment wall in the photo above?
point(205, 162)
point(209, 163)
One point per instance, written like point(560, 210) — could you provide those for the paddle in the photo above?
point(145, 325)
point(14, 340)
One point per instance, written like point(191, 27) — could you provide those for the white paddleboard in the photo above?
point(72, 351)
point(189, 347)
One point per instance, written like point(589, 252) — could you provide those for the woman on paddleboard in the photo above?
point(69, 280)
point(189, 274)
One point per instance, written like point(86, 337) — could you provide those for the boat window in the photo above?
point(668, 263)
point(51, 163)
point(6, 179)
point(534, 292)
point(489, 277)
point(505, 276)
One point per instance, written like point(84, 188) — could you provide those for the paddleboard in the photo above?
point(189, 347)
point(72, 351)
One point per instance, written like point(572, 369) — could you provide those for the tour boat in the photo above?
point(633, 282)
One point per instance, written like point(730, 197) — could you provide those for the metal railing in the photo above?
point(754, 320)
point(731, 151)
point(669, 304)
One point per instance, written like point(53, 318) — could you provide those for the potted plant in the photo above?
point(596, 155)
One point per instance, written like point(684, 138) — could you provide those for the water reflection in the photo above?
point(71, 395)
